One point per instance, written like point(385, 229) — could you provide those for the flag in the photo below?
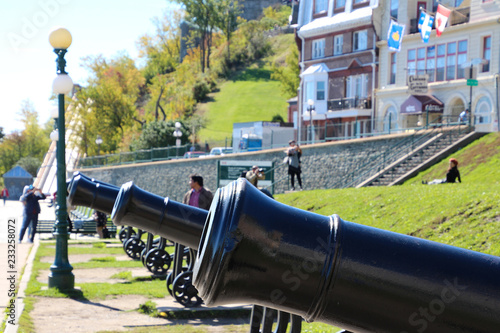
point(425, 25)
point(442, 15)
point(395, 36)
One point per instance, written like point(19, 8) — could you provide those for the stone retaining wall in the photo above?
point(324, 165)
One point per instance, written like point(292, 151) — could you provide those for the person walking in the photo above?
point(101, 219)
point(31, 211)
point(294, 153)
point(198, 196)
point(5, 194)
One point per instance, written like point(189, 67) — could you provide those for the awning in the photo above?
point(418, 104)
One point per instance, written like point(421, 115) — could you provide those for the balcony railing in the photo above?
point(349, 103)
point(457, 16)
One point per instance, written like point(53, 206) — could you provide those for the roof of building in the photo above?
point(337, 22)
point(17, 172)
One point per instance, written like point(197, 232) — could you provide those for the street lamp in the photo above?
point(310, 108)
point(98, 142)
point(61, 275)
point(177, 134)
point(471, 81)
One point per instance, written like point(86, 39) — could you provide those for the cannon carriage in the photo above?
point(251, 249)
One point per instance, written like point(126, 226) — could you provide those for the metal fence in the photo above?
point(362, 128)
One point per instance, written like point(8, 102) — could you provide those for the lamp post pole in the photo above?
point(98, 142)
point(61, 275)
point(177, 134)
point(310, 108)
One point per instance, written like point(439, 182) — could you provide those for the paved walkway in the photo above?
point(117, 313)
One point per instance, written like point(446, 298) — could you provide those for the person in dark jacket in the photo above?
point(198, 196)
point(31, 211)
point(451, 176)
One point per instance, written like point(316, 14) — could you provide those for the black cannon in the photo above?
point(88, 192)
point(256, 250)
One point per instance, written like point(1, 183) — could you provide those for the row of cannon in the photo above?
point(252, 249)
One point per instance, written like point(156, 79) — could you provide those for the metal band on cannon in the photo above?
point(161, 216)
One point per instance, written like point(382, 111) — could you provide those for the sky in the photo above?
point(27, 60)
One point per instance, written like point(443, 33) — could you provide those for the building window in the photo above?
point(431, 63)
point(309, 91)
point(338, 42)
point(411, 65)
point(339, 4)
point(421, 61)
point(318, 48)
point(360, 40)
point(461, 58)
point(435, 4)
point(392, 77)
point(451, 60)
point(359, 1)
point(320, 90)
point(441, 62)
point(394, 9)
point(356, 86)
point(486, 53)
point(320, 6)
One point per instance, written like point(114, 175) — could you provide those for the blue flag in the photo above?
point(395, 36)
point(425, 23)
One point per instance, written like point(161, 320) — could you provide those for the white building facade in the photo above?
point(470, 40)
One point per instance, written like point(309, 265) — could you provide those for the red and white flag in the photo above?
point(441, 19)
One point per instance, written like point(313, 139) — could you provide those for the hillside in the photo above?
point(250, 95)
point(466, 215)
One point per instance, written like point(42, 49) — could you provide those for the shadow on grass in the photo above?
point(252, 74)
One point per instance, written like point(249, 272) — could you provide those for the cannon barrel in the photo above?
point(256, 250)
point(161, 216)
point(87, 192)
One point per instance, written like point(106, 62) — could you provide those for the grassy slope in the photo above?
point(465, 215)
point(250, 96)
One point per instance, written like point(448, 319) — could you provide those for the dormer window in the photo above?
point(318, 48)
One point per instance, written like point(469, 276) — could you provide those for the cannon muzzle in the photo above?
point(161, 216)
point(257, 250)
point(87, 192)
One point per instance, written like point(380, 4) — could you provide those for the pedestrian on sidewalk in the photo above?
point(31, 211)
point(5, 194)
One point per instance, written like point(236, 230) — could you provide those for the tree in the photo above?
point(161, 50)
point(288, 74)
point(203, 15)
point(158, 134)
point(30, 164)
point(227, 21)
point(114, 88)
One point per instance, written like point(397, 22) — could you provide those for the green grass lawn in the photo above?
point(250, 95)
point(466, 215)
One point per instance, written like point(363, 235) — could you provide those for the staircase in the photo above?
point(422, 157)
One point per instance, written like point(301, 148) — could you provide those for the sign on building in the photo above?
point(229, 170)
point(417, 84)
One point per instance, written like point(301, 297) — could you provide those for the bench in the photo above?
point(83, 223)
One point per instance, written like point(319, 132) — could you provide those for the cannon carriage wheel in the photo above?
point(157, 261)
point(123, 234)
point(184, 291)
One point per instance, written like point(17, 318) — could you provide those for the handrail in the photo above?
point(392, 154)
